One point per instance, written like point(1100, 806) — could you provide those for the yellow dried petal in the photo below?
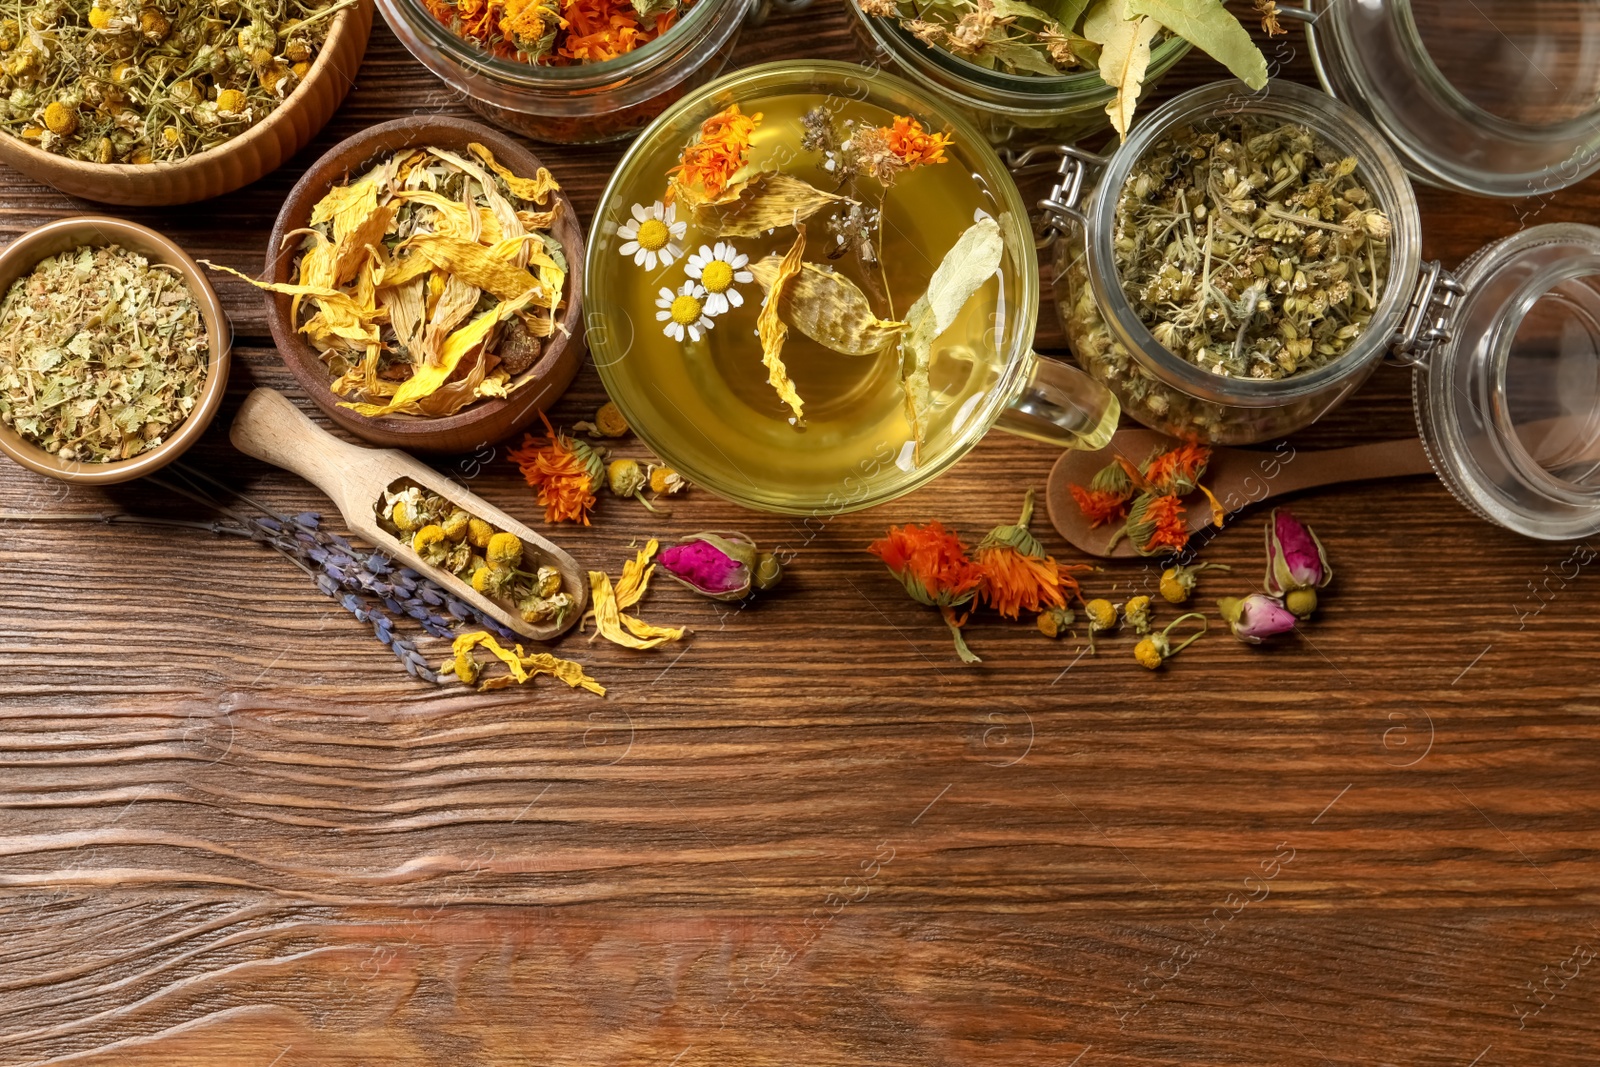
point(771, 328)
point(521, 665)
point(830, 309)
point(609, 620)
point(534, 189)
point(769, 200)
point(474, 264)
point(428, 377)
point(636, 576)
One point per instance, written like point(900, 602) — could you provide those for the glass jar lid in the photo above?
point(1509, 406)
point(1494, 98)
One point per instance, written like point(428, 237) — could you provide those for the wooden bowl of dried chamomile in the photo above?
point(114, 350)
point(127, 102)
point(426, 285)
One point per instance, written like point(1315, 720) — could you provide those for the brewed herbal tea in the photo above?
point(805, 302)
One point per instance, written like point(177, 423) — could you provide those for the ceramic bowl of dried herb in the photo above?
point(130, 102)
point(114, 351)
point(426, 281)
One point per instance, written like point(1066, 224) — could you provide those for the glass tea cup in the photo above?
point(704, 405)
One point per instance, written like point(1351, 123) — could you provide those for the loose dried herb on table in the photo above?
point(558, 32)
point(137, 81)
point(1251, 248)
point(102, 354)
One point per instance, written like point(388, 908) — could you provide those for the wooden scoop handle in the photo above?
point(270, 428)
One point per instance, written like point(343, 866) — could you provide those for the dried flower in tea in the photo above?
point(102, 354)
point(133, 81)
point(430, 282)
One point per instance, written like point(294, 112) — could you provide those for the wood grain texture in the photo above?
point(233, 832)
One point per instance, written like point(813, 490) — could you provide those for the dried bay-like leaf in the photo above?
point(765, 202)
point(1208, 26)
point(830, 309)
point(1124, 56)
point(971, 262)
point(771, 329)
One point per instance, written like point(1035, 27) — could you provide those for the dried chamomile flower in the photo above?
point(665, 481)
point(504, 550)
point(608, 422)
point(1137, 614)
point(1102, 616)
point(455, 524)
point(626, 478)
point(1157, 648)
point(479, 533)
point(1178, 581)
point(1056, 622)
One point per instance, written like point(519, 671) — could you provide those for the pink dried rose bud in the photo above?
point(1297, 565)
point(722, 566)
point(1256, 617)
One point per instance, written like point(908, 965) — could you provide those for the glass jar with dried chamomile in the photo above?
point(1240, 265)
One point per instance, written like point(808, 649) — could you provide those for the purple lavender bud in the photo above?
point(327, 585)
point(409, 575)
point(431, 595)
point(309, 519)
point(393, 605)
point(1256, 617)
point(458, 609)
point(270, 524)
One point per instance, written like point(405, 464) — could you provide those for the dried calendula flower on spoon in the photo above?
point(430, 282)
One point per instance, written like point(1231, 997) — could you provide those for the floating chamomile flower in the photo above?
point(684, 312)
point(651, 236)
point(719, 269)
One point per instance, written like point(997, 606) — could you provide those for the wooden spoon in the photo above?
point(270, 428)
point(1239, 477)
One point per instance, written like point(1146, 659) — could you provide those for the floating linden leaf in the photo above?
point(771, 329)
point(830, 309)
point(971, 261)
point(767, 201)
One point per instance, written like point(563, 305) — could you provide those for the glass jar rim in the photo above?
point(575, 78)
point(1327, 118)
point(1471, 372)
point(889, 33)
point(852, 81)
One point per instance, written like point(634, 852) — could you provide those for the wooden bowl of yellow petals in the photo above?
point(107, 104)
point(425, 285)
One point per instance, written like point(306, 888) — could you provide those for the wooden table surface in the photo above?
point(232, 831)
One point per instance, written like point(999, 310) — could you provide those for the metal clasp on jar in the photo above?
point(1072, 167)
point(1428, 318)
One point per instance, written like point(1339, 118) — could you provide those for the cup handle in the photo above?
point(1063, 406)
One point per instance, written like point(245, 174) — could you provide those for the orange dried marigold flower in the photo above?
point(1017, 574)
point(913, 145)
point(1168, 527)
point(720, 152)
point(1100, 506)
point(563, 471)
point(599, 30)
point(933, 566)
point(1178, 470)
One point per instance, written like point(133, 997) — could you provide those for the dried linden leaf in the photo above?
point(1208, 26)
point(830, 309)
point(767, 201)
point(771, 328)
point(1124, 56)
point(971, 262)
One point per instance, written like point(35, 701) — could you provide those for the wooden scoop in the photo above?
point(270, 428)
point(1239, 477)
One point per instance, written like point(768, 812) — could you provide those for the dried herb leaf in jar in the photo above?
point(102, 354)
point(145, 81)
